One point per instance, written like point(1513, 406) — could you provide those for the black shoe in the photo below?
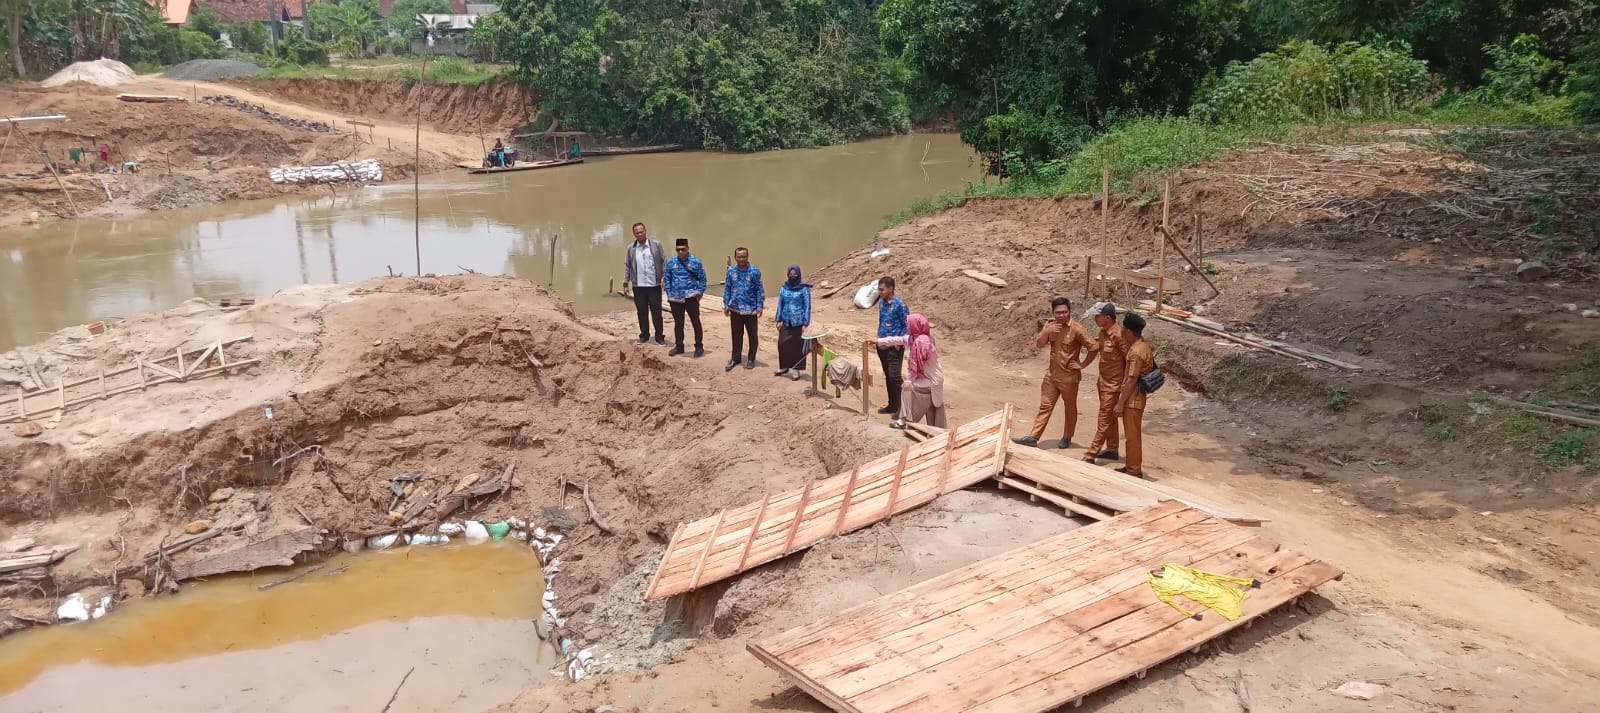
point(1064, 443)
point(781, 372)
point(1026, 441)
point(661, 341)
point(676, 350)
point(644, 339)
point(698, 352)
point(888, 410)
point(731, 364)
point(749, 363)
point(1108, 455)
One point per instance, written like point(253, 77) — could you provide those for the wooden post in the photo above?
point(1161, 243)
point(61, 394)
point(1105, 207)
point(103, 385)
point(553, 240)
point(1199, 240)
point(816, 366)
point(866, 382)
point(7, 144)
point(59, 183)
point(22, 404)
point(138, 365)
point(1088, 275)
point(181, 372)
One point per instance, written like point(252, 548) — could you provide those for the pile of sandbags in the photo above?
point(367, 171)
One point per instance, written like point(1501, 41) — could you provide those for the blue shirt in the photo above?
point(743, 291)
point(892, 315)
point(682, 279)
point(794, 305)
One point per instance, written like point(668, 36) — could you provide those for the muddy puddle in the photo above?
point(801, 206)
point(339, 639)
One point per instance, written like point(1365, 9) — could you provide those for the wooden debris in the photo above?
point(594, 515)
point(985, 278)
point(36, 559)
point(737, 539)
point(1040, 626)
point(288, 579)
point(477, 489)
point(150, 98)
point(276, 551)
point(1254, 342)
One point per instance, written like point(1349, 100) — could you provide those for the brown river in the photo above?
point(802, 206)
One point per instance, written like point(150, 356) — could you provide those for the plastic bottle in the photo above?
point(499, 530)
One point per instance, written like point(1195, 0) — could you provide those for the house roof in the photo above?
point(255, 10)
point(175, 12)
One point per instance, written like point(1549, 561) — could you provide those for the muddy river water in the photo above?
point(800, 206)
point(461, 616)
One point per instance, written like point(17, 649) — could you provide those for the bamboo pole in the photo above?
point(416, 167)
point(1167, 238)
point(553, 240)
point(866, 382)
point(1161, 243)
point(1105, 208)
point(1199, 239)
point(59, 183)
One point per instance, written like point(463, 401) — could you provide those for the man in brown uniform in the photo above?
point(1130, 405)
point(1113, 352)
point(1066, 340)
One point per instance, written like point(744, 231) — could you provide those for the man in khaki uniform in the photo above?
point(1113, 352)
point(1067, 340)
point(1130, 404)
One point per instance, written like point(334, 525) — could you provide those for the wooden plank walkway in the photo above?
point(1040, 626)
point(181, 365)
point(738, 539)
point(1100, 489)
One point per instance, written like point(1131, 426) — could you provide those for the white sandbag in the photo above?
point(867, 296)
point(476, 532)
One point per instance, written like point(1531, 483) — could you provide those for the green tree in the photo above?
point(1585, 83)
point(204, 19)
point(403, 16)
point(355, 26)
point(249, 37)
point(296, 48)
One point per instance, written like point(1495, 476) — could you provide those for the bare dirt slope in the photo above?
point(189, 153)
point(491, 109)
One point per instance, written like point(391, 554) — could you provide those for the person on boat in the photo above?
point(574, 153)
point(921, 396)
point(794, 315)
point(499, 153)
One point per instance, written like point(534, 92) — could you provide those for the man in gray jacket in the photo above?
point(642, 271)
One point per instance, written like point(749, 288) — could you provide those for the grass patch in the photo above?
point(448, 70)
point(1339, 399)
point(1554, 446)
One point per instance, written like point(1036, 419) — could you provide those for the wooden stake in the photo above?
point(1105, 207)
point(866, 382)
point(102, 385)
point(59, 183)
point(705, 552)
point(61, 393)
point(22, 404)
point(1199, 240)
point(1167, 238)
point(844, 500)
point(949, 456)
point(138, 364)
point(416, 169)
point(894, 482)
point(816, 367)
point(1161, 244)
point(553, 240)
point(1088, 274)
point(755, 526)
point(799, 512)
point(181, 373)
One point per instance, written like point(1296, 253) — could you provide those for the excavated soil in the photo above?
point(445, 376)
point(188, 154)
point(493, 108)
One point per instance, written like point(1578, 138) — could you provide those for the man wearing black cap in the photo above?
point(1113, 355)
point(685, 284)
point(1141, 361)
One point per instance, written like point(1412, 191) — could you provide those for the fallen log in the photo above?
point(40, 559)
point(276, 551)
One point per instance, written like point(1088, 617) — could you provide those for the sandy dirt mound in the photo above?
point(100, 72)
point(443, 376)
point(188, 154)
point(490, 109)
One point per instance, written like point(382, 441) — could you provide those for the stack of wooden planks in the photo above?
point(1040, 626)
point(732, 541)
point(1095, 492)
point(181, 365)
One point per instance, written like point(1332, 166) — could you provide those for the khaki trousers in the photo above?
point(1105, 424)
point(1051, 389)
point(1132, 431)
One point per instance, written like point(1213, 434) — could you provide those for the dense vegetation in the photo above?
point(744, 74)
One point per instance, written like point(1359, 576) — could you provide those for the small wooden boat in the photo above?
point(528, 166)
point(629, 150)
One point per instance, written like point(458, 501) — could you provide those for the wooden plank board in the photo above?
point(721, 546)
point(1040, 626)
point(985, 278)
point(1145, 280)
point(1107, 488)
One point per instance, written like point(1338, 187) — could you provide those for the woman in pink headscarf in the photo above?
point(922, 395)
